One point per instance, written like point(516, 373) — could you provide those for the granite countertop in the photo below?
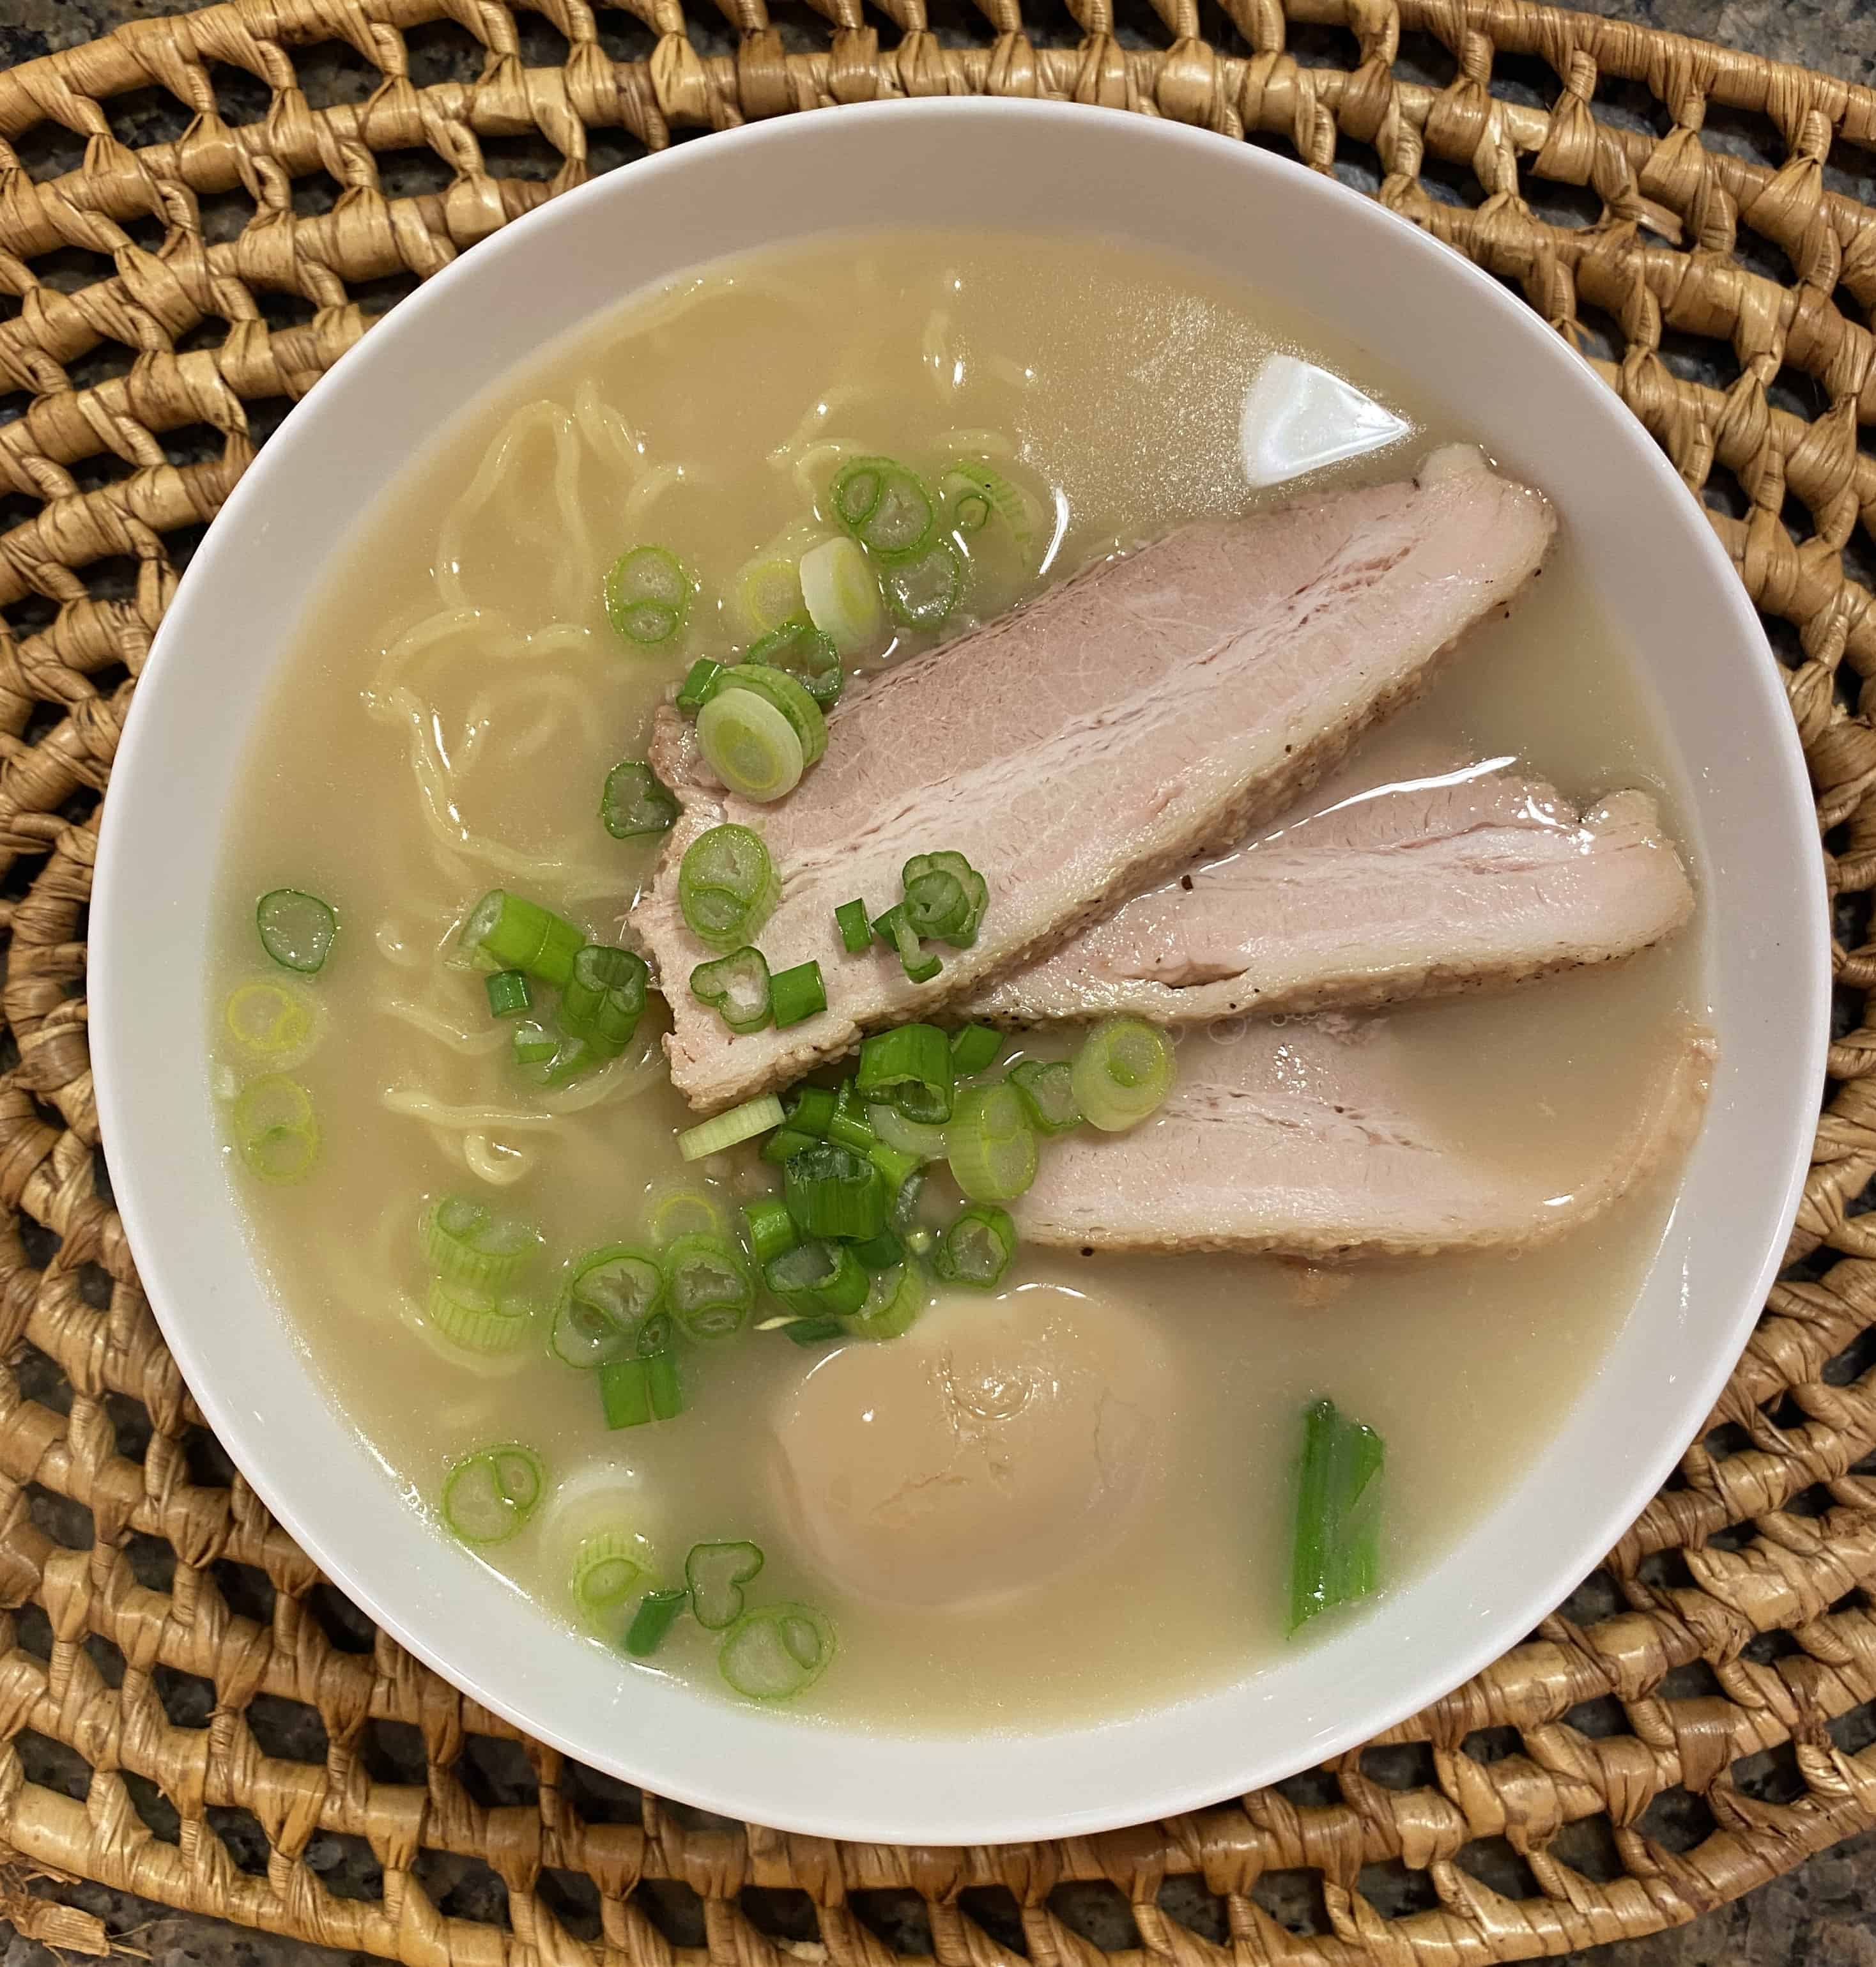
point(1823, 1914)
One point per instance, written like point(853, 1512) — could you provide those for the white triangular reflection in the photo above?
point(1298, 418)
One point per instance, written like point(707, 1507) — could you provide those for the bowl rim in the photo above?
point(232, 1412)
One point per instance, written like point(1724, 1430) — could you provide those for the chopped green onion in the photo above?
point(768, 590)
point(272, 1021)
point(509, 993)
point(775, 1651)
point(276, 1129)
point(634, 802)
point(296, 928)
point(726, 886)
point(974, 1049)
point(855, 932)
point(786, 1142)
point(510, 932)
point(750, 745)
point(818, 1279)
point(904, 1213)
point(604, 997)
point(945, 898)
point(647, 595)
point(1334, 1557)
point(698, 686)
point(667, 1390)
point(992, 1145)
point(716, 1573)
point(1047, 1088)
point(682, 1208)
point(1123, 1071)
point(797, 994)
point(531, 1043)
point(990, 492)
point(738, 987)
point(814, 1331)
point(841, 594)
point(886, 508)
point(465, 1240)
point(893, 928)
point(970, 511)
point(910, 1137)
point(800, 647)
point(769, 1228)
point(881, 1252)
point(728, 1130)
point(978, 1248)
point(922, 593)
point(657, 1614)
point(606, 1572)
point(896, 1166)
point(831, 1191)
point(572, 1056)
point(626, 1393)
point(607, 1294)
point(478, 1321)
point(788, 694)
point(895, 1298)
point(909, 1068)
point(488, 1495)
point(814, 1110)
point(709, 1291)
point(848, 1124)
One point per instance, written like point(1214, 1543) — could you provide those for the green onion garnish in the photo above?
point(923, 593)
point(531, 1043)
point(488, 1495)
point(806, 1331)
point(992, 1145)
point(768, 591)
point(465, 1240)
point(750, 745)
point(979, 490)
point(856, 931)
point(726, 885)
point(604, 997)
point(841, 594)
point(510, 932)
point(634, 802)
point(275, 1128)
point(814, 1110)
point(800, 647)
point(945, 898)
point(606, 1572)
point(775, 1651)
point(785, 1143)
point(1048, 1090)
point(886, 508)
point(478, 1321)
point(913, 1137)
point(769, 1229)
point(893, 928)
point(797, 994)
point(716, 1573)
point(272, 1021)
point(896, 1167)
point(787, 694)
point(738, 987)
point(974, 1049)
point(904, 1217)
point(708, 1290)
point(1334, 1557)
point(296, 928)
point(895, 1297)
point(625, 1392)
point(1123, 1071)
point(978, 1248)
point(728, 1130)
point(509, 993)
point(910, 1069)
point(699, 685)
point(881, 1252)
point(848, 1124)
point(657, 1614)
point(818, 1279)
point(685, 1208)
point(607, 1294)
point(831, 1191)
point(647, 595)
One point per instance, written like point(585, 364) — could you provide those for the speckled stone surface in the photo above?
point(1822, 1915)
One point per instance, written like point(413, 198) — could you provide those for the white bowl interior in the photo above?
point(1468, 345)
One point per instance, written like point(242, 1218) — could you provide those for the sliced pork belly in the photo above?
point(1441, 881)
point(1316, 1139)
point(1090, 743)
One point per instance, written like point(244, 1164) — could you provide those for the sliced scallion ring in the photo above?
point(735, 986)
point(973, 485)
point(992, 1145)
point(895, 1297)
point(775, 1651)
point(978, 1248)
point(1048, 1090)
point(909, 1068)
point(479, 1321)
point(634, 802)
point(296, 928)
point(768, 592)
point(716, 1573)
point(466, 1242)
point(607, 1296)
point(818, 1278)
point(886, 508)
point(709, 1290)
point(279, 1022)
point(760, 1115)
point(789, 695)
point(276, 1129)
point(809, 657)
point(603, 997)
point(647, 595)
point(607, 1568)
point(490, 1494)
point(841, 593)
point(726, 884)
point(750, 745)
point(922, 592)
point(1124, 1071)
point(922, 1138)
point(685, 1208)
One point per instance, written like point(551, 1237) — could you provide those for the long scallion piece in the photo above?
point(726, 887)
point(1334, 1559)
point(856, 931)
point(819, 1279)
point(832, 1191)
point(728, 1130)
point(657, 1612)
point(507, 932)
point(604, 997)
point(797, 994)
point(910, 1069)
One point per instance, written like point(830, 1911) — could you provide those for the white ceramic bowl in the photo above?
point(1470, 345)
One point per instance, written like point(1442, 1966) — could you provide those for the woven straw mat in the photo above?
point(198, 215)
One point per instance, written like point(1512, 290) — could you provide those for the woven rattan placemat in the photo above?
point(198, 215)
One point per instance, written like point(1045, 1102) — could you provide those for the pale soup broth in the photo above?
point(455, 702)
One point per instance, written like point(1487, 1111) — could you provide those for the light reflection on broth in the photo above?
point(456, 701)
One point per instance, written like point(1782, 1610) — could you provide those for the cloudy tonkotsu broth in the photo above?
point(455, 701)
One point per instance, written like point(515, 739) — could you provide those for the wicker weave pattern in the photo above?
point(1699, 1716)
